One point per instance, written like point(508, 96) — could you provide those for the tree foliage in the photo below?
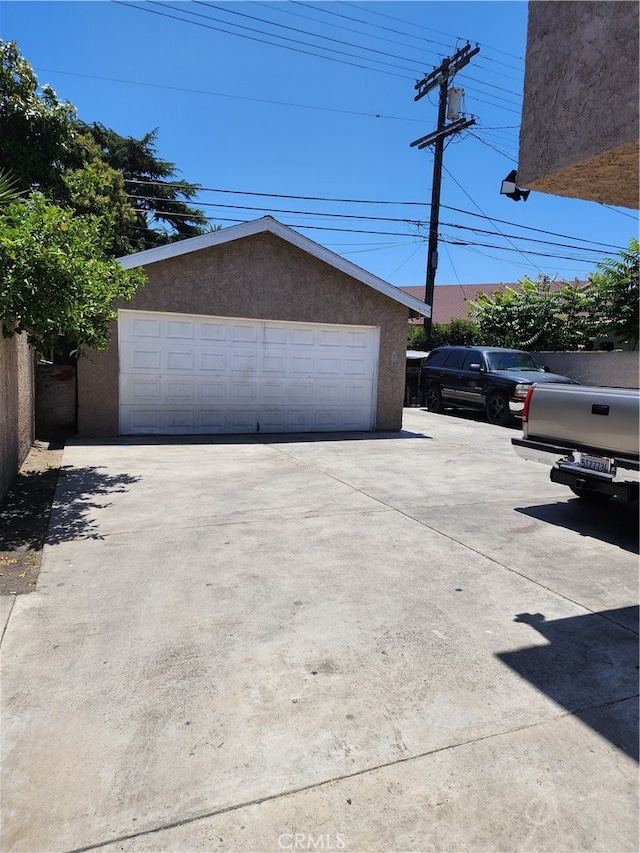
point(75, 213)
point(457, 332)
point(615, 286)
point(57, 279)
point(158, 199)
point(44, 146)
point(538, 316)
point(535, 316)
point(37, 132)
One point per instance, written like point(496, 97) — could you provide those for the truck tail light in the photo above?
point(527, 401)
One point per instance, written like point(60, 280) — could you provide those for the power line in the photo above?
point(621, 212)
point(524, 253)
point(454, 242)
point(376, 202)
point(508, 155)
point(254, 38)
point(489, 218)
point(306, 32)
point(430, 29)
point(416, 222)
point(271, 43)
point(417, 62)
point(225, 95)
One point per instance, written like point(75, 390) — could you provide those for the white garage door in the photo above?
point(189, 374)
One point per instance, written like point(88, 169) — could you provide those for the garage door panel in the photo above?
point(179, 360)
point(275, 364)
point(211, 331)
point(145, 359)
point(243, 362)
point(329, 366)
point(182, 391)
point(186, 374)
point(212, 392)
point(184, 329)
point(272, 392)
point(301, 392)
point(243, 392)
point(148, 327)
point(353, 367)
point(244, 333)
point(146, 390)
point(215, 361)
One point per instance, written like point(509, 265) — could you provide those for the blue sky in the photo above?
point(323, 107)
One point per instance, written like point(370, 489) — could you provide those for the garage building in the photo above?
point(253, 328)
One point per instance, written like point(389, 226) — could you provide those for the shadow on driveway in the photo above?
point(21, 516)
point(589, 666)
point(251, 438)
point(615, 522)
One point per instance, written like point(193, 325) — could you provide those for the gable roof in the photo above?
point(271, 225)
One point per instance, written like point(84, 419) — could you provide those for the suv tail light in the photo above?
point(527, 401)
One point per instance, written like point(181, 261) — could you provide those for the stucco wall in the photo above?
point(261, 277)
point(614, 369)
point(579, 132)
point(16, 406)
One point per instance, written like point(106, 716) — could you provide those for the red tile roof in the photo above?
point(450, 300)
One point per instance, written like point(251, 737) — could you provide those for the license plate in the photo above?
point(595, 463)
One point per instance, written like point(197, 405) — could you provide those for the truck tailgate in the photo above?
point(588, 417)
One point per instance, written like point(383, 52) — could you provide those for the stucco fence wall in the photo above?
point(615, 369)
point(17, 369)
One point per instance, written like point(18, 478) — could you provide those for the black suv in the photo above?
point(489, 378)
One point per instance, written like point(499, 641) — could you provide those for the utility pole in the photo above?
point(439, 77)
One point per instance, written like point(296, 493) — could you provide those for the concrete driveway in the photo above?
point(411, 641)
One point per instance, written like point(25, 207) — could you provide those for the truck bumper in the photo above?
point(623, 479)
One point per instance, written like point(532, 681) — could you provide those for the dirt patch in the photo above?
point(24, 517)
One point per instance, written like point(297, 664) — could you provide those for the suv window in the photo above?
point(473, 357)
point(436, 358)
point(456, 358)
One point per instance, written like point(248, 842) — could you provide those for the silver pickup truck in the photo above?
point(588, 435)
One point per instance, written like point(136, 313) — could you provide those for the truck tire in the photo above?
point(433, 399)
point(497, 408)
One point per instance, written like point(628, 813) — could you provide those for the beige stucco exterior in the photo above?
point(16, 406)
point(260, 277)
point(579, 132)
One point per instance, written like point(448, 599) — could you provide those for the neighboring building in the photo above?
point(450, 300)
point(253, 328)
point(579, 132)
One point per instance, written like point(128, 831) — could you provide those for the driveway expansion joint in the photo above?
point(280, 795)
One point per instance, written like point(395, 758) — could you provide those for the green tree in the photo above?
point(162, 214)
point(456, 332)
point(57, 279)
point(93, 188)
point(534, 317)
point(615, 295)
point(8, 188)
point(91, 168)
point(37, 131)
point(416, 337)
